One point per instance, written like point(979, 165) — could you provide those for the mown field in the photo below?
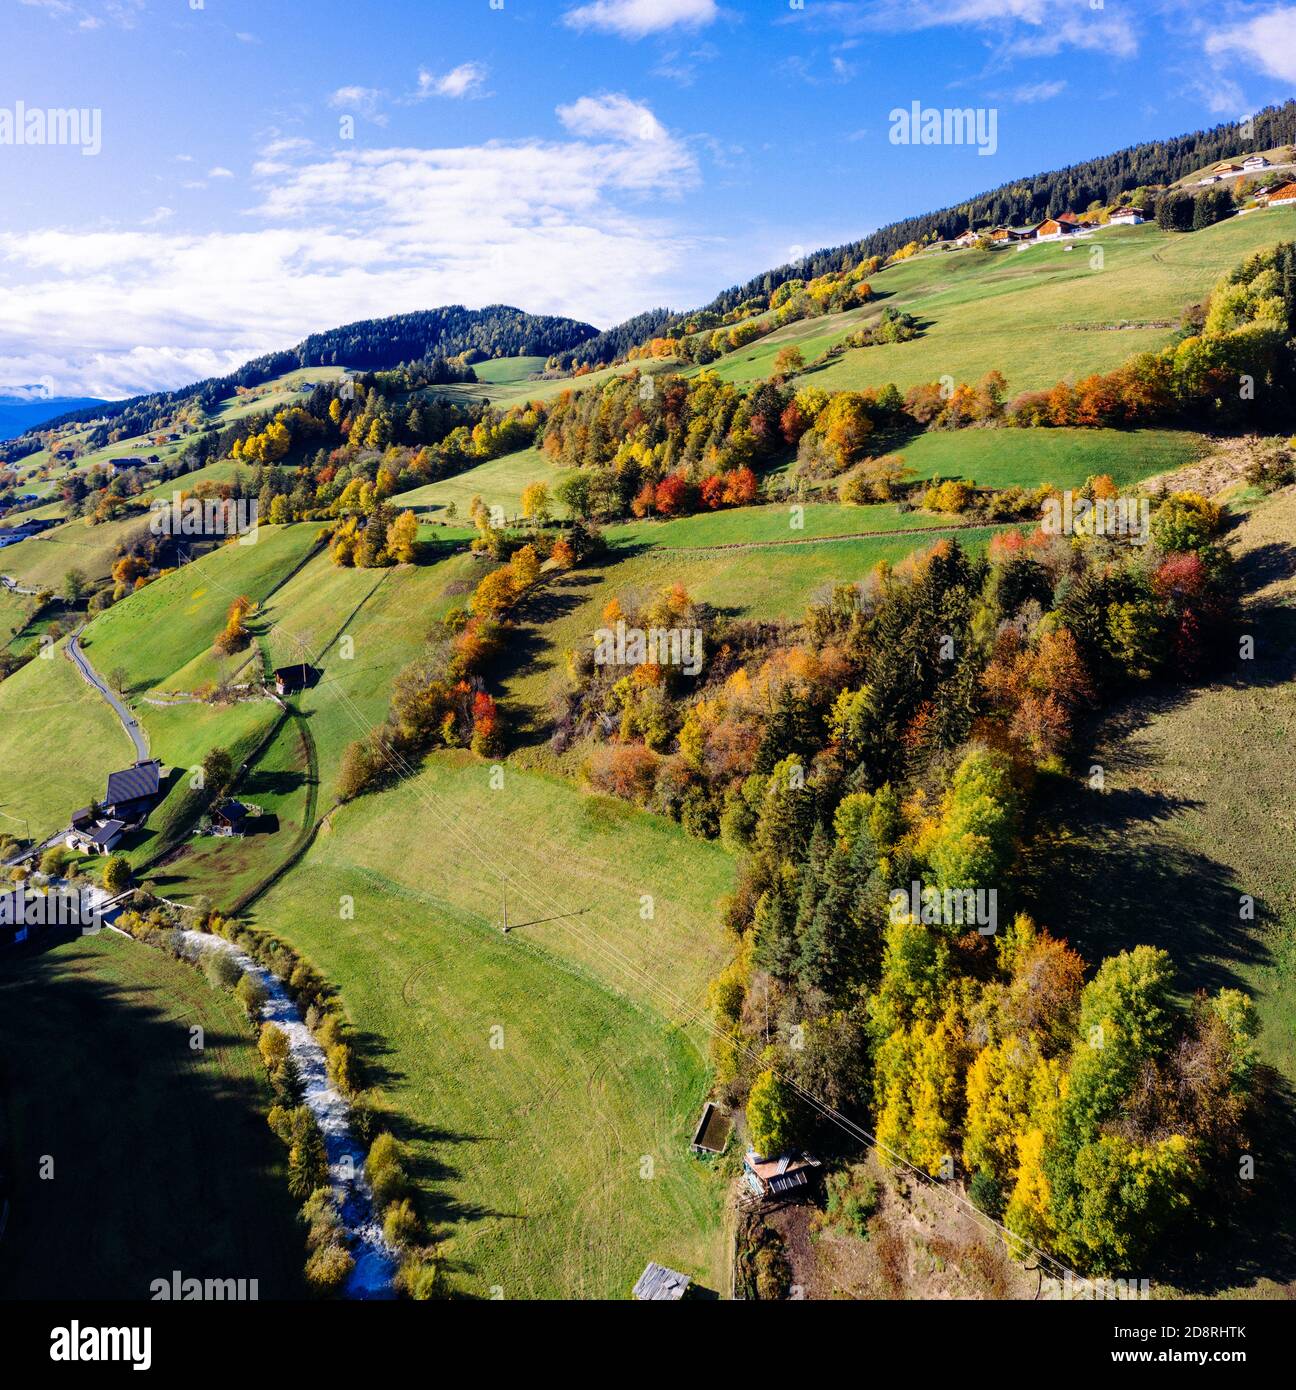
point(162, 1158)
point(1037, 315)
point(1064, 457)
point(530, 1154)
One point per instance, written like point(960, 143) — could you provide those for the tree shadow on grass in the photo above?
point(1109, 873)
point(1246, 1230)
point(162, 1162)
point(263, 781)
point(529, 651)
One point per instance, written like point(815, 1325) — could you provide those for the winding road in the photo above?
point(91, 677)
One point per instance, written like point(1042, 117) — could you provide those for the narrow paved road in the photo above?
point(128, 720)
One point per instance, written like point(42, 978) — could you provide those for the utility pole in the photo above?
point(504, 890)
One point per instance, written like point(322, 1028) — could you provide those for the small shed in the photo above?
point(658, 1282)
point(230, 819)
point(290, 679)
point(786, 1176)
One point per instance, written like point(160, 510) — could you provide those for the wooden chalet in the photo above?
point(230, 818)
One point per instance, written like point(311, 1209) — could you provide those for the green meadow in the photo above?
point(498, 482)
point(547, 1080)
point(1001, 458)
point(1038, 315)
point(160, 628)
point(58, 742)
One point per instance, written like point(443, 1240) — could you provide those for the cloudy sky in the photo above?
point(267, 170)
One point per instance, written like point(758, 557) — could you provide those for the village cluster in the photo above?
point(1068, 224)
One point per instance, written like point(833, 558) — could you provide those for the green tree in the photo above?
point(217, 773)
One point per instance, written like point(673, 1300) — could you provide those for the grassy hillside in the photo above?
point(506, 370)
point(530, 1154)
point(165, 1160)
point(58, 743)
point(162, 627)
point(42, 561)
point(1199, 810)
point(1037, 314)
point(1064, 457)
point(498, 483)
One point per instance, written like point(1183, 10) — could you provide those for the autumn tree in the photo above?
point(773, 1116)
point(402, 538)
point(535, 502)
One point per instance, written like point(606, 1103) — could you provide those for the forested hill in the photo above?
point(496, 331)
point(614, 343)
point(372, 344)
point(1027, 200)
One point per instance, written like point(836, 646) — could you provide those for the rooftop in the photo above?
point(658, 1282)
point(133, 784)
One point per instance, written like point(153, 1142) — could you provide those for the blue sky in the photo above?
point(271, 169)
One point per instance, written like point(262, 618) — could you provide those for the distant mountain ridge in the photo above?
point(18, 414)
point(498, 330)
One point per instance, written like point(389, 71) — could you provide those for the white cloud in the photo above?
point(1267, 40)
point(612, 117)
point(555, 226)
point(364, 100)
point(123, 13)
point(1027, 28)
point(633, 19)
point(464, 81)
point(1039, 91)
point(220, 172)
point(158, 215)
